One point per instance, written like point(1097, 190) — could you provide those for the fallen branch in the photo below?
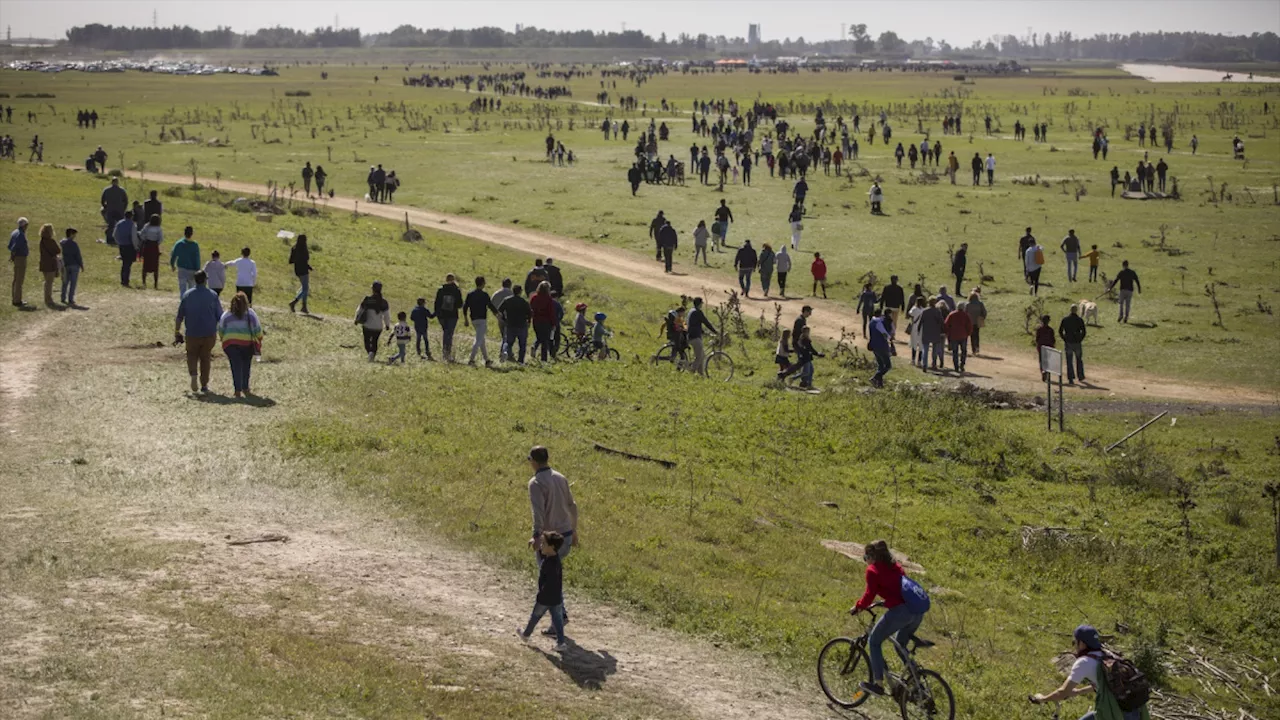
point(668, 464)
point(269, 537)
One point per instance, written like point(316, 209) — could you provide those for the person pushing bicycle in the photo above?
point(905, 604)
point(1120, 689)
point(676, 331)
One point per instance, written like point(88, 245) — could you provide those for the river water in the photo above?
point(1173, 73)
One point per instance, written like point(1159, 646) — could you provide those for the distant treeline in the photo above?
point(1180, 46)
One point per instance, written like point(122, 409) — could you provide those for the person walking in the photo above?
point(114, 201)
point(550, 591)
point(819, 270)
point(246, 274)
point(783, 265)
point(655, 226)
point(1025, 242)
point(240, 333)
point(200, 309)
point(49, 252)
point(543, 312)
point(1033, 262)
point(1072, 330)
point(72, 266)
point(892, 299)
point(300, 259)
point(797, 226)
point(215, 273)
point(554, 509)
point(1044, 338)
point(915, 336)
point(697, 322)
point(498, 298)
point(1128, 280)
point(19, 250)
point(958, 327)
point(1071, 247)
point(307, 174)
point(448, 303)
point(151, 236)
point(554, 276)
point(876, 196)
point(991, 169)
point(515, 313)
point(959, 263)
point(931, 333)
point(667, 242)
point(766, 267)
point(321, 176)
point(373, 315)
point(1093, 256)
point(700, 235)
point(745, 263)
point(953, 166)
point(866, 306)
point(185, 258)
point(976, 165)
point(724, 216)
point(476, 309)
point(128, 243)
point(977, 320)
point(420, 316)
point(881, 346)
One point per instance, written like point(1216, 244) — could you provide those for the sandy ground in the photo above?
point(1173, 73)
point(1005, 368)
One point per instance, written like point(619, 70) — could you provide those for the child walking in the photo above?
point(550, 591)
point(599, 337)
point(782, 356)
point(420, 317)
point(402, 334)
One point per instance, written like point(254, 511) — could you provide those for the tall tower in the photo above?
point(155, 18)
point(753, 34)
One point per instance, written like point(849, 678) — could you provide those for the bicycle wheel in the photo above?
point(720, 366)
point(929, 698)
point(663, 354)
point(842, 665)
point(609, 354)
point(569, 351)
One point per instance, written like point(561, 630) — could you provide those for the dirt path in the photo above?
point(1000, 367)
point(199, 482)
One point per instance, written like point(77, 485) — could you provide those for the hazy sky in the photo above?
point(956, 21)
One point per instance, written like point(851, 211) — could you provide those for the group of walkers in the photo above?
point(320, 177)
point(382, 184)
point(57, 259)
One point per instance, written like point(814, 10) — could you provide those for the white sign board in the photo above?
point(1050, 360)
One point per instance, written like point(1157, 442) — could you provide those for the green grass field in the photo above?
point(726, 546)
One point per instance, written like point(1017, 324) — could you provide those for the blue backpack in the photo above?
point(914, 596)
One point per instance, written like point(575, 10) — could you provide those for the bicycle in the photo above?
point(718, 364)
point(920, 693)
point(580, 348)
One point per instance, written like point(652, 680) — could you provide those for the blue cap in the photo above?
point(1088, 635)
point(600, 316)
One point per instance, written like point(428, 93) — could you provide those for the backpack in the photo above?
point(914, 596)
point(1126, 682)
point(1039, 257)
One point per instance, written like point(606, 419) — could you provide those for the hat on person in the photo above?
point(580, 307)
point(23, 222)
point(1088, 635)
point(600, 316)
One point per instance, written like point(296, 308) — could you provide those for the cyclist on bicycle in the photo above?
point(581, 326)
point(598, 334)
point(674, 327)
point(884, 578)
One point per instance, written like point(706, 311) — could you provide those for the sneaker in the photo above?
point(562, 647)
point(195, 384)
point(520, 634)
point(873, 688)
point(291, 307)
point(204, 389)
point(371, 357)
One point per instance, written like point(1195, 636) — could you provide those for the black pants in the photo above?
point(959, 281)
point(974, 339)
point(667, 254)
point(306, 185)
point(127, 256)
point(977, 177)
point(1034, 277)
point(371, 340)
point(782, 284)
point(634, 187)
point(657, 250)
point(248, 292)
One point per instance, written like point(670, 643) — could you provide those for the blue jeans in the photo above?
point(305, 292)
point(401, 347)
point(557, 620)
point(1073, 264)
point(241, 358)
point(765, 278)
point(930, 353)
point(883, 366)
point(421, 340)
point(515, 333)
point(186, 281)
point(744, 279)
point(127, 256)
point(806, 374)
point(70, 274)
point(897, 619)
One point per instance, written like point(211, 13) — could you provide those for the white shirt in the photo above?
point(1085, 670)
point(1029, 259)
point(991, 162)
point(217, 274)
point(246, 271)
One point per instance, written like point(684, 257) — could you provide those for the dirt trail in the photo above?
point(198, 483)
point(999, 367)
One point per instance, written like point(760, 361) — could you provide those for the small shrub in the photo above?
point(116, 172)
point(1140, 467)
point(1148, 656)
point(297, 93)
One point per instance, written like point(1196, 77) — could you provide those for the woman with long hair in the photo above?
point(151, 236)
point(543, 309)
point(49, 252)
point(241, 337)
point(884, 579)
point(300, 259)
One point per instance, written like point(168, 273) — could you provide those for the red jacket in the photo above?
point(543, 309)
point(884, 580)
point(958, 326)
point(1044, 336)
point(819, 269)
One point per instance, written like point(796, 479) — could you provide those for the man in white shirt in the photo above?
point(991, 169)
point(1086, 675)
point(1033, 261)
point(246, 274)
point(553, 506)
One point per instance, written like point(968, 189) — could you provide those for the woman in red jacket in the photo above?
point(884, 578)
point(543, 309)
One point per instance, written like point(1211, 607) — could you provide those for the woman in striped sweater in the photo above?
point(241, 336)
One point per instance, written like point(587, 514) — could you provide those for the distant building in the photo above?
point(753, 34)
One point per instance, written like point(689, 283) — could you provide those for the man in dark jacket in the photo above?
point(745, 261)
point(634, 176)
point(515, 314)
point(448, 303)
point(476, 312)
point(655, 226)
point(697, 322)
point(958, 264)
point(976, 164)
point(534, 277)
point(554, 277)
point(802, 321)
point(893, 300)
point(115, 201)
point(667, 243)
point(1072, 331)
point(151, 207)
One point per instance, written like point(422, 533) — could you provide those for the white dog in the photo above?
point(1089, 311)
